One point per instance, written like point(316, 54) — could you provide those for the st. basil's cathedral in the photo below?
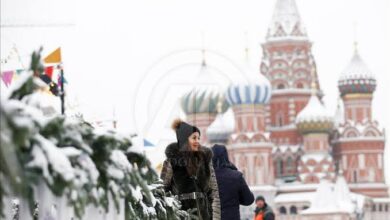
point(308, 163)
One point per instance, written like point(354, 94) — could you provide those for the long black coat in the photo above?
point(176, 179)
point(233, 190)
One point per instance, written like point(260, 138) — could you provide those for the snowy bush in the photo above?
point(75, 160)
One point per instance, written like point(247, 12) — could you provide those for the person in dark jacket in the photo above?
point(188, 173)
point(263, 211)
point(233, 190)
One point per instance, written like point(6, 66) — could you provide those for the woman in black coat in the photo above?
point(233, 190)
point(189, 174)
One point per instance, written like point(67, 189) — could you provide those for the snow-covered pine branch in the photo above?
point(75, 160)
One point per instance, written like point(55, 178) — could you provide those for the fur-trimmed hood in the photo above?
point(174, 152)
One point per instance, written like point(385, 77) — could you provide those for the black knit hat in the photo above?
point(260, 198)
point(183, 131)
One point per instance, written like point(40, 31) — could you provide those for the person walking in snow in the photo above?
point(189, 174)
point(263, 211)
point(233, 190)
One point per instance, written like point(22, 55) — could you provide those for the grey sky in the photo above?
point(111, 45)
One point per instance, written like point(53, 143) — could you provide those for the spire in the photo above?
point(286, 22)
point(339, 114)
point(355, 43)
point(246, 47)
point(203, 51)
point(355, 48)
point(356, 69)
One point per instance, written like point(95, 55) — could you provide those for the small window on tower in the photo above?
point(355, 176)
point(279, 167)
point(290, 165)
point(282, 210)
point(293, 210)
point(280, 86)
point(279, 119)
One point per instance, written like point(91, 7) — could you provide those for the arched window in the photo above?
point(259, 166)
point(355, 176)
point(280, 86)
point(279, 119)
point(290, 165)
point(299, 85)
point(311, 179)
point(243, 166)
point(370, 134)
point(293, 210)
point(279, 166)
point(351, 134)
point(282, 210)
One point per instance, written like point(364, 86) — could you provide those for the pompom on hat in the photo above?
point(183, 131)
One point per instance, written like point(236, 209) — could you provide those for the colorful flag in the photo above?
point(59, 80)
point(7, 76)
point(45, 78)
point(49, 71)
point(54, 57)
point(15, 77)
point(19, 71)
point(148, 143)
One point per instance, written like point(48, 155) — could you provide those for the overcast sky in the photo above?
point(138, 57)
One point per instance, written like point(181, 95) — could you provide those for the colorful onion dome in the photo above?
point(202, 101)
point(205, 95)
point(256, 89)
point(223, 126)
point(356, 78)
point(314, 118)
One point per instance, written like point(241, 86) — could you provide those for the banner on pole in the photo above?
point(7, 76)
point(54, 57)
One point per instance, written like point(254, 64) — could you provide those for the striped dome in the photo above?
point(257, 90)
point(356, 78)
point(202, 100)
point(205, 95)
